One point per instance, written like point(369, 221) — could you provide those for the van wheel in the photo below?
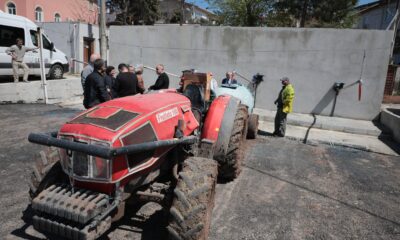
point(56, 72)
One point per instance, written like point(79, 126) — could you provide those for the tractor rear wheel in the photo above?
point(252, 128)
point(190, 213)
point(230, 165)
point(46, 171)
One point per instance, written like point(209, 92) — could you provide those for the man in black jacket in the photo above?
point(162, 80)
point(95, 91)
point(126, 83)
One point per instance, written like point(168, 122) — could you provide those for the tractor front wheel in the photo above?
point(190, 213)
point(252, 128)
point(46, 171)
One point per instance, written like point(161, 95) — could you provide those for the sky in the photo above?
point(203, 3)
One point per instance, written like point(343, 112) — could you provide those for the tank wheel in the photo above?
point(252, 128)
point(56, 72)
point(46, 171)
point(190, 213)
point(230, 165)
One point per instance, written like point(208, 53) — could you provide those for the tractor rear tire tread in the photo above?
point(230, 165)
point(46, 171)
point(190, 213)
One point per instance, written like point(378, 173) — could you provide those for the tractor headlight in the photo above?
point(81, 165)
point(100, 167)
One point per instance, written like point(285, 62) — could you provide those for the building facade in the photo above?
point(170, 11)
point(53, 10)
point(379, 15)
point(376, 15)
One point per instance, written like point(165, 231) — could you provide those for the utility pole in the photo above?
point(42, 66)
point(304, 14)
point(182, 12)
point(103, 36)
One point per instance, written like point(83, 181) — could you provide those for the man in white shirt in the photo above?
point(17, 53)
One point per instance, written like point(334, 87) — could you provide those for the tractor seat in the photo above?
point(195, 93)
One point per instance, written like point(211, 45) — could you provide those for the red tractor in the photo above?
point(167, 146)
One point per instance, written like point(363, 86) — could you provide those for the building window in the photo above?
point(11, 9)
point(39, 14)
point(57, 17)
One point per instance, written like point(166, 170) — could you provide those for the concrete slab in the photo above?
point(346, 125)
point(390, 118)
point(32, 92)
point(316, 136)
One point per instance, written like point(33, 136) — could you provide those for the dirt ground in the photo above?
point(287, 190)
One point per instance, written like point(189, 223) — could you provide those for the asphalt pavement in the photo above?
point(287, 189)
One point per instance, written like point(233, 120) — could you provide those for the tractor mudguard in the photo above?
point(219, 122)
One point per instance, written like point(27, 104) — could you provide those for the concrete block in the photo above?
point(390, 118)
point(32, 92)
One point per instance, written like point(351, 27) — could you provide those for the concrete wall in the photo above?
point(312, 58)
point(58, 91)
point(68, 37)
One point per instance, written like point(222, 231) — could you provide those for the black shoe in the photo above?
point(278, 135)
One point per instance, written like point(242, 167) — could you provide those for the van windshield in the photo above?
point(46, 42)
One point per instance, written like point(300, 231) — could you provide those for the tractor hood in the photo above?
point(157, 113)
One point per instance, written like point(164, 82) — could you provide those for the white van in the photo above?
point(13, 27)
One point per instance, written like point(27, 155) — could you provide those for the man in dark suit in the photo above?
point(95, 91)
point(126, 83)
point(162, 80)
point(230, 78)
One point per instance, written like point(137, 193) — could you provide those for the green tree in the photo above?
point(137, 12)
point(285, 13)
point(312, 13)
point(241, 12)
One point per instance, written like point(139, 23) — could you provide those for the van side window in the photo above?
point(34, 38)
point(8, 35)
point(46, 43)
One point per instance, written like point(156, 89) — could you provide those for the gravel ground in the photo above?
point(287, 190)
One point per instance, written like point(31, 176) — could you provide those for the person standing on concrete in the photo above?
point(126, 83)
point(213, 83)
point(139, 74)
point(17, 53)
point(88, 69)
point(95, 86)
point(229, 79)
point(131, 68)
point(162, 80)
point(110, 81)
point(284, 103)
